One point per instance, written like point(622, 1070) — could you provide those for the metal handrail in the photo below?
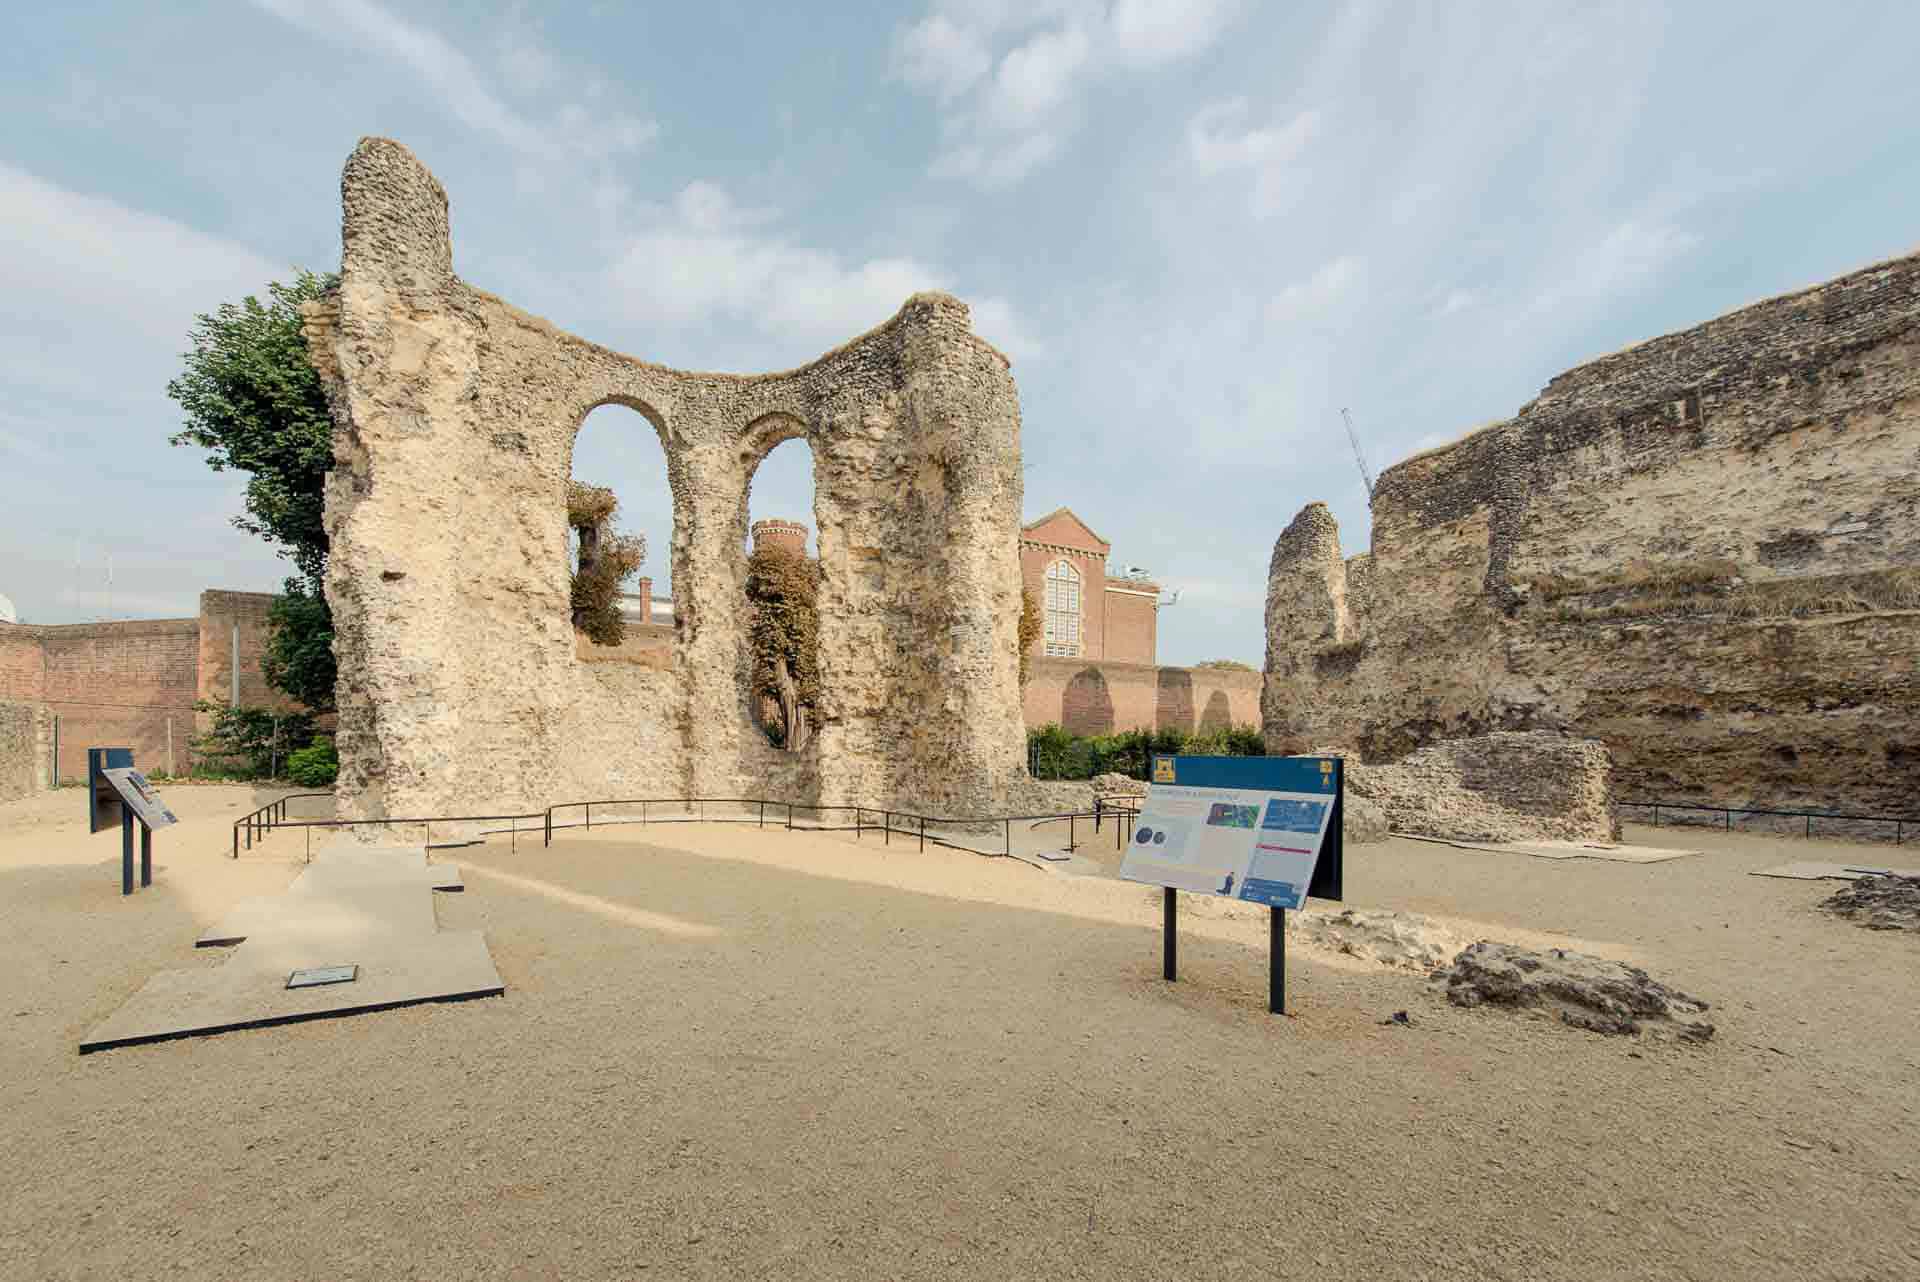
point(277, 808)
point(1899, 822)
point(273, 815)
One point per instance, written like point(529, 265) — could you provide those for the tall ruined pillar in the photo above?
point(1306, 615)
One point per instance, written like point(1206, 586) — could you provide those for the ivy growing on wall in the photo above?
point(606, 560)
point(784, 633)
point(1029, 632)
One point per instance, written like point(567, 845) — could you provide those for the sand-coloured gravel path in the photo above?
point(731, 1054)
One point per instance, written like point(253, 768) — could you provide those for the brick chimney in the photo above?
point(646, 600)
point(788, 534)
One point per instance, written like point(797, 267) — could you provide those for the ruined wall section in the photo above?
point(1704, 549)
point(460, 677)
point(26, 749)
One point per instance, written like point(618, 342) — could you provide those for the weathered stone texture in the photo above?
point(461, 687)
point(26, 749)
point(1703, 550)
point(1506, 786)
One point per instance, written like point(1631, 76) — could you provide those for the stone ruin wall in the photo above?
point(461, 687)
point(1583, 566)
point(26, 749)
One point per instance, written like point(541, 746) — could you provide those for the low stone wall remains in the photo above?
point(1507, 786)
point(26, 749)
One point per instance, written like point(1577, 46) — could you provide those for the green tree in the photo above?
point(254, 402)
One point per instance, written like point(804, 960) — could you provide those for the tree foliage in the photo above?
point(1029, 632)
point(299, 654)
point(248, 743)
point(254, 402)
point(606, 561)
point(784, 633)
point(1229, 665)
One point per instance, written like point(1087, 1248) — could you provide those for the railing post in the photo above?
point(858, 815)
point(886, 819)
point(589, 816)
point(236, 841)
point(923, 834)
point(789, 816)
point(547, 839)
point(1007, 824)
point(1070, 842)
point(763, 814)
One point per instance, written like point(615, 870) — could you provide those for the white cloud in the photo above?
point(941, 57)
point(1005, 115)
point(1458, 300)
point(88, 285)
point(1219, 141)
point(1629, 256)
point(1334, 283)
point(458, 83)
point(1155, 31)
point(704, 260)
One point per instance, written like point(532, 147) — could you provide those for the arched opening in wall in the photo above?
point(620, 513)
point(1173, 700)
point(1087, 706)
point(783, 583)
point(1218, 714)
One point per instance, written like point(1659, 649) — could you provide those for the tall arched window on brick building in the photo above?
point(1062, 634)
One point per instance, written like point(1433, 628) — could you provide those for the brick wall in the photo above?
point(1104, 697)
point(26, 740)
point(221, 612)
point(132, 684)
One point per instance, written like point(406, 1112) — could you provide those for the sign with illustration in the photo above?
point(1249, 828)
point(139, 795)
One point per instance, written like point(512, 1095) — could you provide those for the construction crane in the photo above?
point(1358, 457)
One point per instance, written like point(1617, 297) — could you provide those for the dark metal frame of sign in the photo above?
point(136, 798)
point(1329, 869)
point(104, 807)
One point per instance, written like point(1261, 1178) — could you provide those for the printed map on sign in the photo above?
point(1249, 828)
point(140, 796)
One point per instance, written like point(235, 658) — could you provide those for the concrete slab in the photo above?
point(368, 907)
point(249, 990)
point(1565, 849)
point(330, 875)
point(1812, 870)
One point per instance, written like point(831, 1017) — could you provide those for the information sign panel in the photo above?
point(103, 800)
point(139, 795)
point(1248, 828)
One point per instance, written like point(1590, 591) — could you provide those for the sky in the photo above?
point(1199, 229)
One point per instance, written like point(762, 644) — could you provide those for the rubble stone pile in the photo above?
point(1584, 991)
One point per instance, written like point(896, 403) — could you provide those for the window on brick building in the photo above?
point(1062, 634)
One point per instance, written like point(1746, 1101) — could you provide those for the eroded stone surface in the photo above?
point(1409, 941)
point(1879, 903)
point(461, 689)
point(1512, 786)
point(1582, 990)
point(1602, 565)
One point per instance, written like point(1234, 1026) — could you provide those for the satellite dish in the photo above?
point(6, 611)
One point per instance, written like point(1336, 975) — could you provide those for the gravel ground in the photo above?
point(733, 1054)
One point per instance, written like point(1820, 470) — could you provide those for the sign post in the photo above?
point(137, 800)
point(1263, 830)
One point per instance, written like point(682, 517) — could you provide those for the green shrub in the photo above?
point(247, 743)
point(1053, 753)
point(316, 765)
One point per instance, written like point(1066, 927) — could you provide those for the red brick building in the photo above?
point(1085, 612)
point(1095, 667)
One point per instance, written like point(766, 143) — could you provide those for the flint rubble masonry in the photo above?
point(461, 688)
point(1578, 567)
